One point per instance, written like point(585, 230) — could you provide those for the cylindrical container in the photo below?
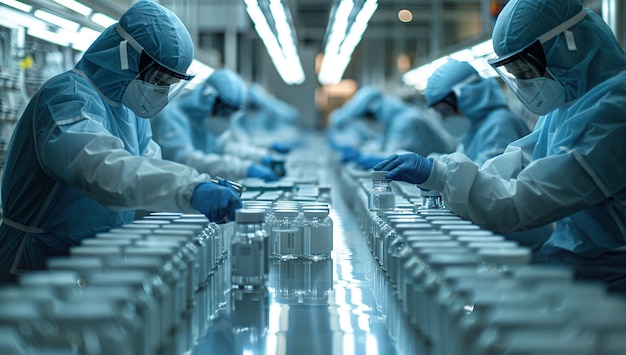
point(286, 239)
point(381, 196)
point(318, 234)
point(248, 250)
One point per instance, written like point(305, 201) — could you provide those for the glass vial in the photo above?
point(431, 200)
point(318, 234)
point(286, 237)
point(381, 197)
point(247, 249)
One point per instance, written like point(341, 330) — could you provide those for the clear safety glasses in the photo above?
point(151, 72)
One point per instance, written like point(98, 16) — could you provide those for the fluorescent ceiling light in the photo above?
point(75, 6)
point(17, 5)
point(282, 49)
point(340, 45)
point(102, 19)
point(56, 20)
point(475, 55)
point(48, 36)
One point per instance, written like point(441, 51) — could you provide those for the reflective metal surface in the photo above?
point(342, 305)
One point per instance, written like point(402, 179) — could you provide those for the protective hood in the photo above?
point(444, 78)
point(162, 35)
point(589, 57)
point(259, 99)
point(230, 87)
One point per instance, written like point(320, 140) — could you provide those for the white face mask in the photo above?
point(145, 99)
point(540, 95)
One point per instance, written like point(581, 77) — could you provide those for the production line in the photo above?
point(403, 280)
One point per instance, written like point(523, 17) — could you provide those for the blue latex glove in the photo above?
point(349, 154)
point(281, 147)
point(412, 168)
point(367, 161)
point(215, 201)
point(260, 171)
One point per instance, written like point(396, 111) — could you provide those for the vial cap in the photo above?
point(285, 213)
point(379, 175)
point(505, 255)
point(248, 215)
point(315, 213)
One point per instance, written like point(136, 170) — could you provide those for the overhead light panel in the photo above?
point(17, 5)
point(75, 6)
point(56, 20)
point(476, 55)
point(84, 38)
point(102, 19)
point(279, 40)
point(48, 36)
point(343, 36)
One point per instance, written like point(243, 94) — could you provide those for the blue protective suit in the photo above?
point(186, 132)
point(267, 113)
point(79, 162)
point(410, 128)
point(492, 124)
point(570, 169)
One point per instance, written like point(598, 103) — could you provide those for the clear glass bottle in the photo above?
point(381, 197)
point(248, 250)
point(431, 200)
point(317, 233)
point(286, 237)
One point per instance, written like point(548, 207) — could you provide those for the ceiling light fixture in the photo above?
point(17, 5)
point(342, 38)
point(280, 41)
point(75, 6)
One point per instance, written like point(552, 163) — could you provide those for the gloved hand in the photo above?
point(412, 168)
point(281, 147)
point(367, 161)
point(349, 154)
point(215, 201)
point(260, 171)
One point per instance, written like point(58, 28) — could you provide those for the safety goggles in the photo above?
point(447, 106)
point(150, 70)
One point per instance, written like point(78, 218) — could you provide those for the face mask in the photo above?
point(144, 99)
point(541, 95)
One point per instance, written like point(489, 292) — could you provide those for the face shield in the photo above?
point(155, 84)
point(527, 74)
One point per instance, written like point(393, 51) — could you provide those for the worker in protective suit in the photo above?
point(190, 130)
point(455, 88)
point(269, 121)
point(564, 63)
point(403, 127)
point(81, 158)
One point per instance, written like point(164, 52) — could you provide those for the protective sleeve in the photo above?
point(537, 196)
point(77, 148)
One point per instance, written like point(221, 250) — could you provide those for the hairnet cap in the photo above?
point(444, 78)
point(230, 87)
point(161, 33)
point(520, 23)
